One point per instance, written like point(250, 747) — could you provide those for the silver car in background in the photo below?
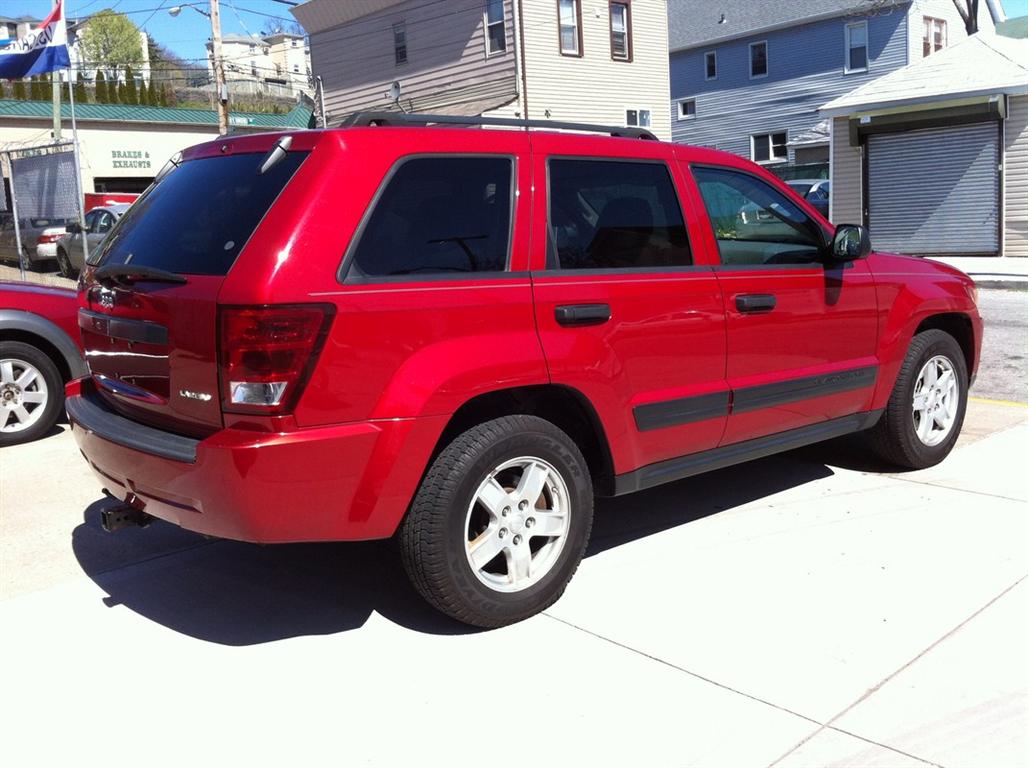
point(99, 221)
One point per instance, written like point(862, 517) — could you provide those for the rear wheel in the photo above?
point(500, 522)
point(926, 410)
point(31, 393)
point(64, 264)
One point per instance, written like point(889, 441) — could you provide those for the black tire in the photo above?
point(64, 265)
point(434, 534)
point(54, 403)
point(894, 437)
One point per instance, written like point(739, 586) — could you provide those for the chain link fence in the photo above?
point(41, 196)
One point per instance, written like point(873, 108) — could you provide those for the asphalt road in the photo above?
point(1003, 373)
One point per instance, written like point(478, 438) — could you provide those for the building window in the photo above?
point(620, 31)
point(400, 42)
point(687, 109)
point(934, 36)
point(495, 29)
point(569, 17)
point(292, 43)
point(637, 117)
point(296, 68)
point(769, 147)
point(758, 59)
point(856, 47)
point(710, 63)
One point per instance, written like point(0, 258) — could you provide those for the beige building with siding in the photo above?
point(595, 61)
point(934, 157)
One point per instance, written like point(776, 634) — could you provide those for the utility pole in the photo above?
point(56, 77)
point(220, 89)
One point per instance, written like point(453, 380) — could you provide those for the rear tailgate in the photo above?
point(152, 344)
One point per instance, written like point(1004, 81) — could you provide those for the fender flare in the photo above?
point(29, 322)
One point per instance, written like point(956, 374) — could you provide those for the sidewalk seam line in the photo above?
point(820, 726)
point(154, 557)
point(951, 488)
point(877, 687)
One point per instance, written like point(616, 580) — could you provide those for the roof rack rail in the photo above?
point(363, 119)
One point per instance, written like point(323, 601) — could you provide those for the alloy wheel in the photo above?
point(23, 395)
point(516, 524)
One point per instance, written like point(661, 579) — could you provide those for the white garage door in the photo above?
point(935, 191)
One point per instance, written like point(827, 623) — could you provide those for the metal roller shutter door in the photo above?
point(935, 191)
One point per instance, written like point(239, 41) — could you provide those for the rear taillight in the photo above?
point(47, 239)
point(266, 354)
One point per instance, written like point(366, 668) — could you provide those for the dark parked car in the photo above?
point(481, 330)
point(814, 191)
point(39, 353)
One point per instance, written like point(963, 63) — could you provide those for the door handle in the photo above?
point(582, 314)
point(755, 302)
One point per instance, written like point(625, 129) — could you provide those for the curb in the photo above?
point(1003, 285)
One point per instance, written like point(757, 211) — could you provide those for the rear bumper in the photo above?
point(344, 482)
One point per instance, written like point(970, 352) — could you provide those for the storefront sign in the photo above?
point(122, 158)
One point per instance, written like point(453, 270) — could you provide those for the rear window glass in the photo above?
point(197, 219)
point(439, 215)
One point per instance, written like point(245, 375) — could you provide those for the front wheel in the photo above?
point(500, 522)
point(926, 410)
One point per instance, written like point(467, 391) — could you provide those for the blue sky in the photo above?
point(185, 34)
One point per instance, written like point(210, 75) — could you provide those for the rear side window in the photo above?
point(197, 219)
point(438, 215)
point(612, 214)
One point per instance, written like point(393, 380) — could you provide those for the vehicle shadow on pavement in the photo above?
point(243, 594)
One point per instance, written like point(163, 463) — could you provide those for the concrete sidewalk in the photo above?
point(796, 611)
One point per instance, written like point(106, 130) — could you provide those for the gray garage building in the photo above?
point(933, 158)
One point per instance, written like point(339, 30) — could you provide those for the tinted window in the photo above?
point(754, 223)
point(614, 215)
point(197, 219)
point(439, 215)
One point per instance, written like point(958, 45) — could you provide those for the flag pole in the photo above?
point(78, 168)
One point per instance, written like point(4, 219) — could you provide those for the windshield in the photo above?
point(197, 219)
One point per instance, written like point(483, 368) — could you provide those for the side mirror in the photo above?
point(850, 242)
point(73, 228)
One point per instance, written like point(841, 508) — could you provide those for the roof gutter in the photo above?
point(888, 106)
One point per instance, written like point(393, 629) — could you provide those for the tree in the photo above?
point(19, 90)
point(144, 95)
point(109, 41)
point(101, 96)
point(968, 10)
point(3, 91)
point(277, 26)
point(35, 89)
point(131, 95)
point(163, 100)
point(151, 93)
point(122, 93)
point(81, 95)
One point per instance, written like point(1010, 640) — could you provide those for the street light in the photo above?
point(219, 62)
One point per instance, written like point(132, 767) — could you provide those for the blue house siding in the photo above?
point(805, 70)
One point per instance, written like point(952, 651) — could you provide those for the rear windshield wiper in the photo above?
point(126, 274)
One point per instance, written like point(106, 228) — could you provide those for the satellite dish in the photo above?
point(394, 91)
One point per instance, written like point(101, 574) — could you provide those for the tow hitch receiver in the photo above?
point(124, 515)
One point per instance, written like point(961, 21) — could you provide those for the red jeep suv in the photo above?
point(459, 336)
